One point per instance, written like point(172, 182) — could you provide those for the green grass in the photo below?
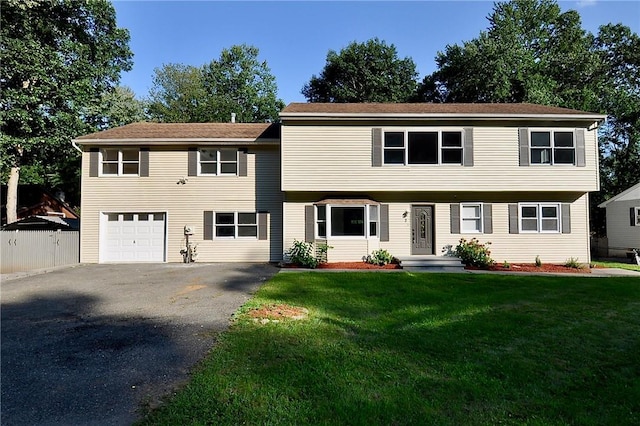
point(610, 264)
point(436, 349)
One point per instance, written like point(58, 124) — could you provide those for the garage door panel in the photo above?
point(133, 237)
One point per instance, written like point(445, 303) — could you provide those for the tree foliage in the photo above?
point(534, 52)
point(364, 72)
point(237, 82)
point(117, 108)
point(58, 59)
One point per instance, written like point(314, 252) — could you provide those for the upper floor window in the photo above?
point(552, 147)
point(347, 221)
point(635, 216)
point(540, 217)
point(423, 147)
point(120, 162)
point(218, 162)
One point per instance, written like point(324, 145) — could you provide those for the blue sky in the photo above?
point(295, 36)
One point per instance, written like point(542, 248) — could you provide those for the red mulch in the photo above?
point(278, 312)
point(356, 265)
point(530, 267)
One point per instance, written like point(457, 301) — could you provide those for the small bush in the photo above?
point(380, 257)
point(474, 253)
point(538, 261)
point(573, 263)
point(300, 254)
point(506, 265)
point(321, 252)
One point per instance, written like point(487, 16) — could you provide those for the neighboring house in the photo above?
point(43, 223)
point(623, 221)
point(409, 178)
point(33, 200)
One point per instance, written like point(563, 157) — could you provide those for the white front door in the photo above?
point(133, 237)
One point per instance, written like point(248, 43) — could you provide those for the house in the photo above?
point(33, 200)
point(43, 223)
point(623, 222)
point(409, 178)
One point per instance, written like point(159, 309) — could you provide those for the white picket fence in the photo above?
point(27, 250)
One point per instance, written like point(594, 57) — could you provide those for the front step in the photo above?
point(432, 263)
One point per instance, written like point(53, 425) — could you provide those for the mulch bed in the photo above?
point(356, 265)
point(278, 312)
point(530, 267)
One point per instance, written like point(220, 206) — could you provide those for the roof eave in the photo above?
point(177, 141)
point(438, 116)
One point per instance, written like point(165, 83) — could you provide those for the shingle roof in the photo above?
point(429, 108)
point(184, 131)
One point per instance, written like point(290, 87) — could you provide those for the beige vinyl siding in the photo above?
point(338, 158)
point(621, 235)
point(552, 248)
point(185, 203)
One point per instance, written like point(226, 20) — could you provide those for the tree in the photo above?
point(237, 82)
point(178, 94)
point(534, 52)
point(117, 108)
point(364, 72)
point(58, 58)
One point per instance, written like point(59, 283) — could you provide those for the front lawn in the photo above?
point(612, 264)
point(436, 349)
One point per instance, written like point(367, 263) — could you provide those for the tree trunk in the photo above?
point(12, 195)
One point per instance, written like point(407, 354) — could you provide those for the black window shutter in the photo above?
point(376, 147)
point(144, 162)
point(94, 162)
point(193, 162)
point(513, 219)
point(566, 218)
point(580, 148)
point(455, 218)
point(242, 163)
point(468, 146)
point(309, 223)
point(208, 225)
point(523, 140)
point(384, 222)
point(632, 216)
point(262, 225)
point(487, 218)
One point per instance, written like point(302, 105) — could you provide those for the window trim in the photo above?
point(235, 225)
point(479, 218)
point(218, 161)
point(539, 207)
point(637, 216)
point(439, 130)
point(367, 219)
point(552, 131)
point(120, 162)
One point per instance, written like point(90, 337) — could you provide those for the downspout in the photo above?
point(75, 145)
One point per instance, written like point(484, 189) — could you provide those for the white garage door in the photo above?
point(133, 237)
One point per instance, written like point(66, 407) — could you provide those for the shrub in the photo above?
point(380, 257)
point(573, 263)
point(506, 265)
point(474, 253)
point(300, 254)
point(321, 252)
point(538, 261)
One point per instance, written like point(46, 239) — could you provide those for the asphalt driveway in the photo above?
point(98, 344)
